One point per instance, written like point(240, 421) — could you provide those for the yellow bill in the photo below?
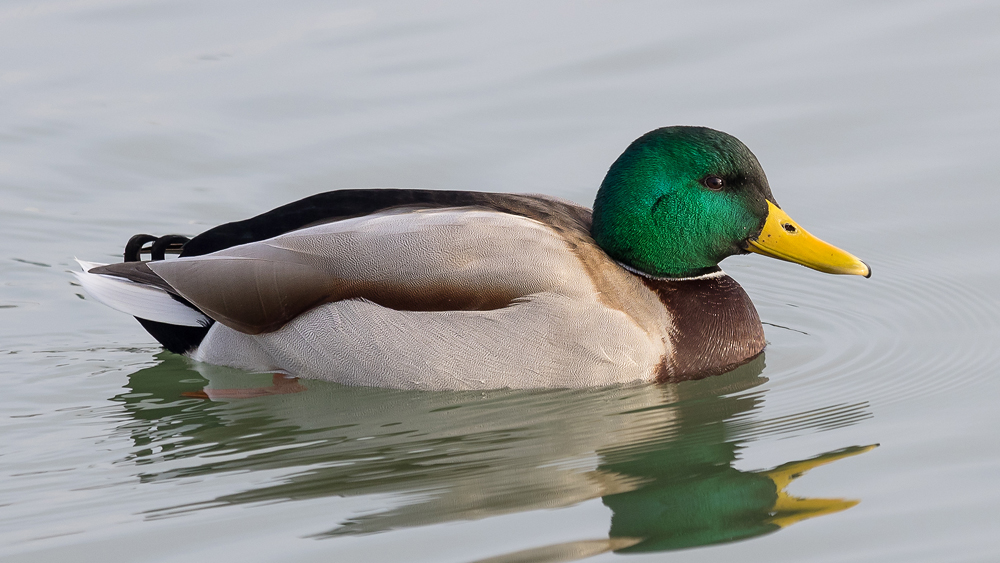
point(784, 239)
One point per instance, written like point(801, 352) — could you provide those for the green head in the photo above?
point(679, 200)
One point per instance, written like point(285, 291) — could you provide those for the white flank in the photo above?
point(136, 299)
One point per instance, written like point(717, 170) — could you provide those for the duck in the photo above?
point(466, 290)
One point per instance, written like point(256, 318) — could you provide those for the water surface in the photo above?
point(876, 122)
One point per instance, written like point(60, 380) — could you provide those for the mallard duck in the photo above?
point(427, 289)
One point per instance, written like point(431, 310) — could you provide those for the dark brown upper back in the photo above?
point(344, 204)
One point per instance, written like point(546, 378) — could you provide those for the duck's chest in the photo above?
point(714, 326)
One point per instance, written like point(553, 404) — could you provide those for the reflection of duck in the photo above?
point(463, 290)
point(703, 504)
point(661, 457)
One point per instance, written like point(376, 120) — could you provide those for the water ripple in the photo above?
point(846, 340)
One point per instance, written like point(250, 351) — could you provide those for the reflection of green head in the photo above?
point(701, 510)
point(717, 503)
point(662, 210)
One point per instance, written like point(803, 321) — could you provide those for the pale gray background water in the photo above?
point(878, 126)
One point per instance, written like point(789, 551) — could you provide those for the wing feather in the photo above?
point(415, 260)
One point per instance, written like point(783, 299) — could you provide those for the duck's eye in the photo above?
point(713, 183)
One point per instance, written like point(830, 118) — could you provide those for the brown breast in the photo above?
point(716, 327)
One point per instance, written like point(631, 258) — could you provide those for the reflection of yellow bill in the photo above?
point(788, 509)
point(784, 239)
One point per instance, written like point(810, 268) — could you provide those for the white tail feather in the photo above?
point(136, 299)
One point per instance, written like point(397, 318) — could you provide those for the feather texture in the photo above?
point(139, 300)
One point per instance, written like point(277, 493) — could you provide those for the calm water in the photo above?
point(878, 125)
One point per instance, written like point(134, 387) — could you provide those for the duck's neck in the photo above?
point(715, 325)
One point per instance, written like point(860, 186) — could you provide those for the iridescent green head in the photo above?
point(679, 200)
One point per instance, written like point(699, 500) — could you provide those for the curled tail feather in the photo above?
point(175, 323)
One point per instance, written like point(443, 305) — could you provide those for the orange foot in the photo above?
point(280, 385)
